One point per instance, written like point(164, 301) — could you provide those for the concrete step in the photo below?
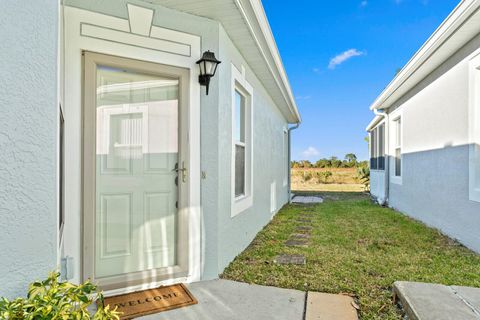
point(428, 301)
point(324, 306)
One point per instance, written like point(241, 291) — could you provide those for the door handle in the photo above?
point(183, 170)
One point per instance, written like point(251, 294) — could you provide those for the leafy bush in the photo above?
point(364, 176)
point(52, 300)
point(307, 176)
point(322, 177)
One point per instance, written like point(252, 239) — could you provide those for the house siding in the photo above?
point(435, 180)
point(28, 143)
point(377, 184)
point(235, 233)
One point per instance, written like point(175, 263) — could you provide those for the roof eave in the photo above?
point(423, 62)
point(264, 31)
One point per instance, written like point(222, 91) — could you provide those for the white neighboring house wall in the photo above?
point(439, 182)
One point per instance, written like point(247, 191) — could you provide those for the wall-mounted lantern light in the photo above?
point(208, 66)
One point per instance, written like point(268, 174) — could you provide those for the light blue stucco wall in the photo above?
point(223, 237)
point(436, 116)
point(268, 163)
point(28, 143)
point(434, 190)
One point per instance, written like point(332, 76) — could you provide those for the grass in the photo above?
point(357, 248)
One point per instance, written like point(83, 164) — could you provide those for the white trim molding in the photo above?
point(396, 142)
point(474, 129)
point(240, 84)
point(132, 38)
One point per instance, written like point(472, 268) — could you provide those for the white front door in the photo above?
point(135, 171)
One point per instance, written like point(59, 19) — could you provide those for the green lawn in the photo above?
point(356, 248)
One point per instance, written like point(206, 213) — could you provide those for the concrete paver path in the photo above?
point(428, 301)
point(324, 306)
point(230, 300)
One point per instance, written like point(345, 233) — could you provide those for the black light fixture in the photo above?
point(208, 66)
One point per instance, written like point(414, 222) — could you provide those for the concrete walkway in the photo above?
point(428, 301)
point(230, 300)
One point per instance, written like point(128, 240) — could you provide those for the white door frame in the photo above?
point(91, 61)
point(90, 31)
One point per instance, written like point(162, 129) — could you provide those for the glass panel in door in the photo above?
point(136, 185)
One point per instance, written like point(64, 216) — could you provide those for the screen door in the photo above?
point(135, 171)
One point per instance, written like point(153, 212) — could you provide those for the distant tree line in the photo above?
point(350, 161)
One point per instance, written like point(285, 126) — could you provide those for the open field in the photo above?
point(314, 179)
point(356, 248)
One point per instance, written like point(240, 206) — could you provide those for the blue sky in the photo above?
point(339, 55)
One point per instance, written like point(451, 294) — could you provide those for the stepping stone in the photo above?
point(304, 221)
point(301, 235)
point(428, 301)
point(304, 228)
point(307, 200)
point(291, 259)
point(329, 307)
point(296, 243)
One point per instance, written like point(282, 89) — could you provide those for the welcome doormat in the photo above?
point(137, 304)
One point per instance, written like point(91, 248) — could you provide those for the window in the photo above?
point(377, 148)
point(398, 147)
point(242, 124)
point(373, 145)
point(239, 140)
point(381, 147)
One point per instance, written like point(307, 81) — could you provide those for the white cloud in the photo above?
point(363, 3)
point(310, 152)
point(344, 56)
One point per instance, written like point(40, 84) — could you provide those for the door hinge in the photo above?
point(176, 204)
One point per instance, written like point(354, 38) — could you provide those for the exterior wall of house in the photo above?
point(434, 187)
point(28, 144)
point(377, 184)
point(223, 237)
point(208, 31)
point(235, 233)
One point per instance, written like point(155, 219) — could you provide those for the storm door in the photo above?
point(135, 171)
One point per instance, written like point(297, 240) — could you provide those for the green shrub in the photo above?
point(323, 176)
point(307, 176)
point(52, 300)
point(363, 174)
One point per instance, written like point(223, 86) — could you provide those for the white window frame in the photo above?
point(474, 129)
point(240, 84)
point(397, 143)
